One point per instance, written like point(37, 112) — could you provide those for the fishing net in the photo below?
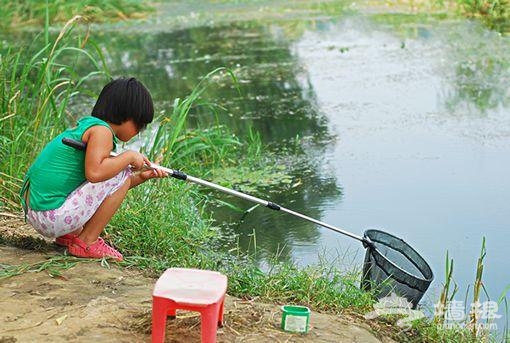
point(392, 266)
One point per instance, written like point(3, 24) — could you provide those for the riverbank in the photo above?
point(75, 299)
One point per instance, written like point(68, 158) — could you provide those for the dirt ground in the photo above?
point(90, 301)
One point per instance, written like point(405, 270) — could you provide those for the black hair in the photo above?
point(124, 99)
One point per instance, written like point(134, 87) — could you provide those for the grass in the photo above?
point(34, 93)
point(172, 142)
point(474, 316)
point(447, 294)
point(53, 266)
point(467, 328)
point(495, 14)
point(319, 286)
point(25, 13)
point(169, 240)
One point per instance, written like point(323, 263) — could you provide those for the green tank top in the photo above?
point(59, 169)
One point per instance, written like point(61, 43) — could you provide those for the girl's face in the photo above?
point(126, 130)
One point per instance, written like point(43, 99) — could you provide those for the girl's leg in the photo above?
point(88, 243)
point(96, 224)
point(90, 206)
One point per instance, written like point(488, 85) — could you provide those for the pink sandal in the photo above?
point(65, 240)
point(97, 250)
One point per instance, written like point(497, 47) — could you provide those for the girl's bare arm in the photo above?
point(99, 166)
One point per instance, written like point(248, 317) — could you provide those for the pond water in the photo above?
point(389, 123)
point(399, 126)
point(405, 128)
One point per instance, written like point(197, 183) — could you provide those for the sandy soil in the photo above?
point(90, 301)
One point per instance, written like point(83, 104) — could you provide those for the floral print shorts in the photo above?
point(78, 207)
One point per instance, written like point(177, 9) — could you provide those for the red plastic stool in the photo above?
point(189, 289)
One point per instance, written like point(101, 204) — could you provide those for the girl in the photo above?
point(71, 194)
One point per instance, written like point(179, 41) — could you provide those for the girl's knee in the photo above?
point(121, 180)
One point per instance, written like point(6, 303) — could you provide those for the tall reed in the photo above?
point(35, 91)
point(447, 293)
point(175, 143)
point(477, 287)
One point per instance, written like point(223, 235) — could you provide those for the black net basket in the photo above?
point(392, 266)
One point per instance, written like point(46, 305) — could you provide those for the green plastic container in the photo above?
point(295, 318)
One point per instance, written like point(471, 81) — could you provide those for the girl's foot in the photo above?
point(99, 249)
point(65, 240)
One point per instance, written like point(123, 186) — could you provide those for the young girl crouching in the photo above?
point(72, 194)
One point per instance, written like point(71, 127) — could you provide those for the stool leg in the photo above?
point(159, 313)
point(209, 322)
point(171, 311)
point(220, 314)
